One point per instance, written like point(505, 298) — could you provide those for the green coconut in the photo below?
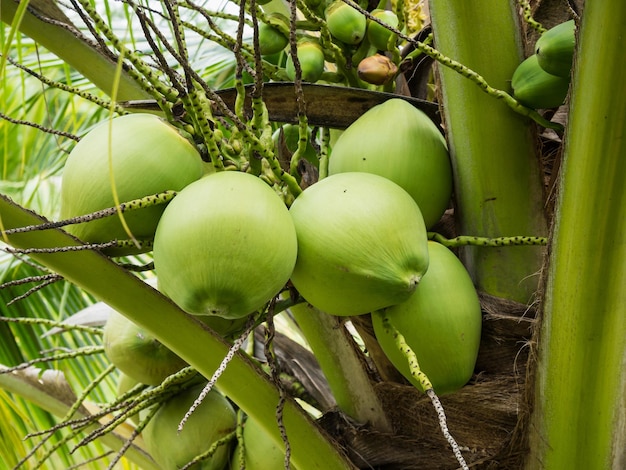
point(380, 37)
point(361, 244)
point(225, 246)
point(311, 58)
point(398, 141)
point(534, 87)
point(147, 156)
point(345, 23)
point(260, 450)
point(441, 322)
point(272, 40)
point(212, 420)
point(137, 353)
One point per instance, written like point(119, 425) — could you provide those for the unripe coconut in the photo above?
point(261, 452)
point(148, 156)
point(379, 36)
point(441, 322)
point(534, 87)
point(225, 246)
point(555, 49)
point(361, 244)
point(398, 141)
point(345, 23)
point(136, 352)
point(271, 39)
point(212, 420)
point(311, 57)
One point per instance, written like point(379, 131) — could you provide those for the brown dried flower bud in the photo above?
point(377, 69)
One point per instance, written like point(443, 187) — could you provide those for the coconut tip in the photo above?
point(414, 281)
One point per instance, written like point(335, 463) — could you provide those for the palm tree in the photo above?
point(499, 192)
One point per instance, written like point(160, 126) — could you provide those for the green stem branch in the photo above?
point(579, 419)
point(497, 174)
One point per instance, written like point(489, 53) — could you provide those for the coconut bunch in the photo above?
point(351, 244)
point(226, 245)
point(371, 43)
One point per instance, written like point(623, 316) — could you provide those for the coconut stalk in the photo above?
point(497, 175)
point(343, 365)
point(580, 416)
point(241, 380)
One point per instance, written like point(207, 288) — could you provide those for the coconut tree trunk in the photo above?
point(580, 415)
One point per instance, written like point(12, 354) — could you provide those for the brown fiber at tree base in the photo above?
point(485, 417)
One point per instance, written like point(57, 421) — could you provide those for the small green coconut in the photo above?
point(555, 49)
point(534, 87)
point(345, 23)
point(272, 40)
point(311, 58)
point(379, 36)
